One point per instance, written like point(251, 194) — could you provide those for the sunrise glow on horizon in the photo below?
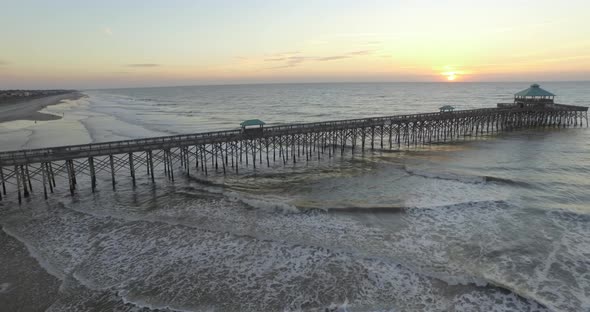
point(69, 44)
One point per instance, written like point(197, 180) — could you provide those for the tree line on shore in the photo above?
point(9, 94)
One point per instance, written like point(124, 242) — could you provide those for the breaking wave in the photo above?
point(162, 266)
point(464, 178)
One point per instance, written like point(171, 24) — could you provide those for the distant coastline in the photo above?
point(17, 95)
point(26, 104)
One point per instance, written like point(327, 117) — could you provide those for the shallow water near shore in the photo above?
point(497, 224)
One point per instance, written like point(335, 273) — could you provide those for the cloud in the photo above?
point(333, 58)
point(292, 61)
point(287, 53)
point(2, 63)
point(275, 59)
point(363, 52)
point(295, 60)
point(356, 35)
point(107, 31)
point(146, 65)
point(283, 56)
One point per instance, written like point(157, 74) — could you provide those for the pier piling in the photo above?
point(131, 168)
point(111, 161)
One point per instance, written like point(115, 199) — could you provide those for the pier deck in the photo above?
point(222, 152)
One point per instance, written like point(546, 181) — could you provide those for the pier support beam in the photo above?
point(74, 181)
point(132, 168)
point(29, 178)
point(44, 180)
point(3, 181)
point(111, 160)
point(187, 160)
point(70, 181)
point(24, 180)
point(372, 138)
point(147, 163)
point(49, 177)
point(52, 175)
point(165, 162)
point(223, 157)
point(151, 165)
point(197, 158)
point(170, 165)
point(17, 183)
point(92, 173)
point(203, 159)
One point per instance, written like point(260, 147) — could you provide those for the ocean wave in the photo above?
point(206, 182)
point(266, 203)
point(537, 267)
point(464, 178)
point(124, 115)
point(160, 266)
point(315, 217)
point(363, 209)
point(401, 209)
point(569, 215)
point(281, 226)
point(279, 205)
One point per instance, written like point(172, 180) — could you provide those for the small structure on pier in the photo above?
point(446, 109)
point(252, 126)
point(533, 96)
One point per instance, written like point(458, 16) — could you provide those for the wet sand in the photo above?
point(28, 109)
point(24, 284)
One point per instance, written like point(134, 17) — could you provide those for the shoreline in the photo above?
point(23, 277)
point(28, 109)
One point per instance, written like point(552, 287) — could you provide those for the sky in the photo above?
point(100, 44)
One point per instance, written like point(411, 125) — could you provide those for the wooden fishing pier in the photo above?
point(227, 152)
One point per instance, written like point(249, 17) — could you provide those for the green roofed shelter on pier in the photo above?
point(533, 96)
point(252, 122)
point(447, 108)
point(534, 91)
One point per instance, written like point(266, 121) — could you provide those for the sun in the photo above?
point(451, 76)
point(451, 73)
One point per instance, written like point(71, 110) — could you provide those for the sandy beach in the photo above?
point(25, 285)
point(28, 109)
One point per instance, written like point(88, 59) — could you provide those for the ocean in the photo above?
point(501, 223)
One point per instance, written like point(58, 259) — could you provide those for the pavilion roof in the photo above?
point(534, 90)
point(252, 122)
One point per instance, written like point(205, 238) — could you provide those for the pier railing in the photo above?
point(135, 145)
point(229, 150)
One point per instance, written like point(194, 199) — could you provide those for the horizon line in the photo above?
point(318, 82)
